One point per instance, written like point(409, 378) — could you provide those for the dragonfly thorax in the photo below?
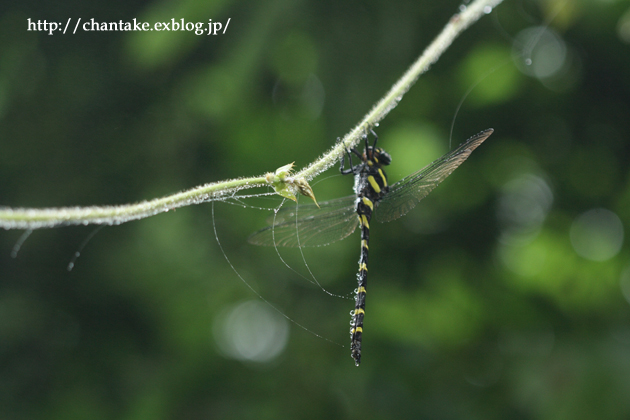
point(370, 180)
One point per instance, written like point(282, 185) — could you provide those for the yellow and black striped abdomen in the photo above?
point(364, 210)
point(372, 186)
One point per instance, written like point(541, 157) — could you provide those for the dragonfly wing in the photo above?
point(307, 225)
point(406, 193)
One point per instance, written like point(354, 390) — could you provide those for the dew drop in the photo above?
point(75, 257)
point(462, 7)
point(487, 10)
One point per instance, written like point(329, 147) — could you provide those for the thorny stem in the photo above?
point(28, 218)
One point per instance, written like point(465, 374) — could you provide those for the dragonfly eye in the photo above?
point(383, 157)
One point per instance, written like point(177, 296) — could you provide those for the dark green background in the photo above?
point(479, 306)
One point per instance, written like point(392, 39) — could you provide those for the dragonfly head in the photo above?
point(379, 155)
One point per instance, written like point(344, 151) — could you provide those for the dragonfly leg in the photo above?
point(367, 141)
point(353, 169)
point(350, 170)
point(375, 138)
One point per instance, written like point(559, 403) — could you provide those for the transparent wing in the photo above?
point(406, 193)
point(308, 225)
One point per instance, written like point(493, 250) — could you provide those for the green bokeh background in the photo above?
point(475, 311)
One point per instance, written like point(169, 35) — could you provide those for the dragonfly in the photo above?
point(312, 225)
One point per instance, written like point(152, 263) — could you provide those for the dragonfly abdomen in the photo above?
point(364, 208)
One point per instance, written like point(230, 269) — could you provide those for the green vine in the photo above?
point(281, 180)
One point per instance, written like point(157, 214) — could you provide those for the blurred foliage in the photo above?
point(500, 296)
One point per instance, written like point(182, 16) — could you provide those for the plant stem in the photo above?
point(29, 218)
point(25, 218)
